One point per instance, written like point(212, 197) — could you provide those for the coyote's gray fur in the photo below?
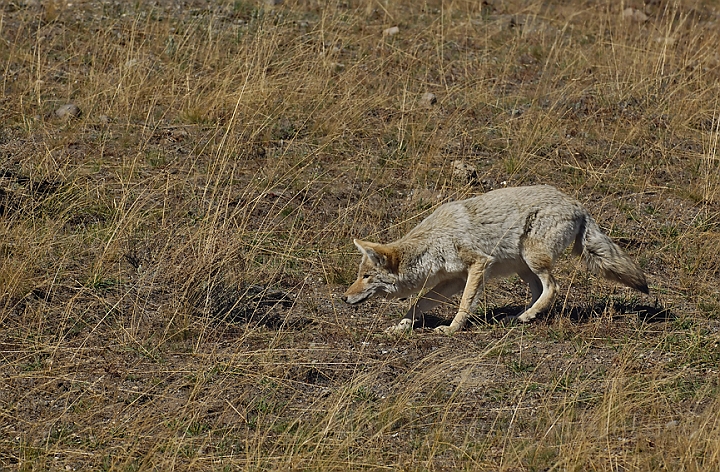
point(520, 230)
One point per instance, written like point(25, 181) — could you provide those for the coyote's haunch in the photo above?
point(520, 230)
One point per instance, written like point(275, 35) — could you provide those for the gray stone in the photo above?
point(428, 99)
point(464, 171)
point(391, 31)
point(634, 15)
point(68, 111)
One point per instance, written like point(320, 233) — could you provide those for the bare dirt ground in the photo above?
point(172, 254)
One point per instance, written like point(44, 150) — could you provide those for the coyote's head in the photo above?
point(378, 274)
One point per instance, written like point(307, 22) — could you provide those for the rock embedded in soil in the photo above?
point(464, 171)
point(634, 15)
point(428, 99)
point(391, 31)
point(68, 111)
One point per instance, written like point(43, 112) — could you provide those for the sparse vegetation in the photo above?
point(170, 257)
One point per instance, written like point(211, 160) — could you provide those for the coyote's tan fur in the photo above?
point(519, 230)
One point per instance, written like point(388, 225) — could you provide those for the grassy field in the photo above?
point(171, 258)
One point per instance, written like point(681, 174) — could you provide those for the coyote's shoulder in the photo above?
point(517, 230)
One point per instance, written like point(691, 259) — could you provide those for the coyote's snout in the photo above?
point(519, 230)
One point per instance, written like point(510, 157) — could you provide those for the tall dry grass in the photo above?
point(171, 259)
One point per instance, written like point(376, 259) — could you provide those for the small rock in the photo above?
point(424, 196)
point(527, 60)
point(428, 99)
point(464, 171)
point(671, 424)
point(272, 3)
point(488, 184)
point(391, 31)
point(104, 119)
point(68, 111)
point(634, 15)
point(175, 135)
point(666, 40)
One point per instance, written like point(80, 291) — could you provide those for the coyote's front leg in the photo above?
point(441, 293)
point(467, 303)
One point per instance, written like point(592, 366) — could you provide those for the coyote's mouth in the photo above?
point(356, 301)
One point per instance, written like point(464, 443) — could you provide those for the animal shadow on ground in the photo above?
point(253, 304)
point(580, 314)
point(18, 191)
point(489, 316)
point(618, 310)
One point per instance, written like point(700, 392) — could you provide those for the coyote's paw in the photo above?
point(446, 329)
point(510, 320)
point(405, 326)
point(525, 317)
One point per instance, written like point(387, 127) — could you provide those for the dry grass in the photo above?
point(171, 260)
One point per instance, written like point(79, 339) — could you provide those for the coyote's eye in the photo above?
point(365, 276)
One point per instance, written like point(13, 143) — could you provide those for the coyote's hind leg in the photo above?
point(536, 287)
point(539, 260)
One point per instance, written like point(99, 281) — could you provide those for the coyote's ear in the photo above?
point(361, 246)
point(366, 249)
point(378, 254)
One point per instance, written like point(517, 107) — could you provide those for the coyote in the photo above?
point(520, 230)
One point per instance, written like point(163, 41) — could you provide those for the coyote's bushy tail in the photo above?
point(603, 257)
